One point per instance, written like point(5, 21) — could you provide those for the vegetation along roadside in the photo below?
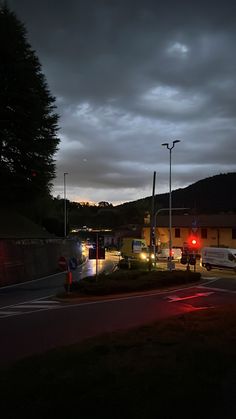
point(128, 281)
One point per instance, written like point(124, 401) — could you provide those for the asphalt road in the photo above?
point(51, 285)
point(39, 323)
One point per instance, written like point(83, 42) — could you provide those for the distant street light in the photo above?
point(65, 210)
point(170, 205)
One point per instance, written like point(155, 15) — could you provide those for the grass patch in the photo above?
point(182, 366)
point(131, 280)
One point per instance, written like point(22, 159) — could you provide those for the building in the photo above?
point(217, 230)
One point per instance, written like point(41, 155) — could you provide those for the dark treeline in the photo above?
point(211, 195)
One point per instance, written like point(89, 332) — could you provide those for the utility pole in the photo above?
point(65, 209)
point(152, 223)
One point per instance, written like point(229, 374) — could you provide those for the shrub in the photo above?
point(132, 264)
point(131, 280)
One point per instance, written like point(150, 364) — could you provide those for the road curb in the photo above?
point(84, 297)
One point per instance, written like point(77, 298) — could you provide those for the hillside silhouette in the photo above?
point(211, 195)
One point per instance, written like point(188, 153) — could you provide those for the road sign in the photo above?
point(194, 226)
point(73, 263)
point(93, 254)
point(62, 263)
point(101, 253)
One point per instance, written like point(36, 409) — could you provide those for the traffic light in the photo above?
point(100, 241)
point(98, 249)
point(101, 253)
point(193, 242)
point(192, 259)
point(184, 259)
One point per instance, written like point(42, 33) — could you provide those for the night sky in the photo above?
point(129, 76)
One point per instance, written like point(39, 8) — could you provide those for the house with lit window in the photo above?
point(218, 230)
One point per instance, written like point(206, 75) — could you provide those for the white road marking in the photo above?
point(217, 289)
point(23, 308)
point(174, 298)
point(189, 307)
point(38, 303)
point(47, 302)
point(18, 284)
point(210, 278)
point(8, 313)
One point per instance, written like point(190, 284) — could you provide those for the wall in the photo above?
point(23, 260)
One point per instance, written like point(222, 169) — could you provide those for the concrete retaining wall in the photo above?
point(24, 260)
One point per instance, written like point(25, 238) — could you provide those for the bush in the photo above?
point(131, 280)
point(123, 264)
point(132, 264)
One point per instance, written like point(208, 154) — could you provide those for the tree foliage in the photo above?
point(104, 204)
point(28, 121)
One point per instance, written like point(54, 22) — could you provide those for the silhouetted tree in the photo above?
point(28, 122)
point(104, 204)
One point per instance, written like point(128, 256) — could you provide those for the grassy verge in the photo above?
point(131, 280)
point(179, 367)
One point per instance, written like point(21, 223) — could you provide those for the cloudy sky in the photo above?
point(129, 75)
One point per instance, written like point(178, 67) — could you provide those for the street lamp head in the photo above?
point(165, 144)
point(176, 141)
point(65, 173)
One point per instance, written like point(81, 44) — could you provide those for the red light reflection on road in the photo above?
point(187, 308)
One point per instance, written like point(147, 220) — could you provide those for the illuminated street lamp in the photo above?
point(65, 211)
point(170, 205)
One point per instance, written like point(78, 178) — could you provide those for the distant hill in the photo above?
point(211, 195)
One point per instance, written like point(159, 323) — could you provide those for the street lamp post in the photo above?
point(155, 220)
point(65, 211)
point(170, 205)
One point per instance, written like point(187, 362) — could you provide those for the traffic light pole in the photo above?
point(65, 209)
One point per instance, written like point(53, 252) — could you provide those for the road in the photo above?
point(35, 325)
point(53, 284)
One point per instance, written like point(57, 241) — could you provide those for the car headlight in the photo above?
point(143, 256)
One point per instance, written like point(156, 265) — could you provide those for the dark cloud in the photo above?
point(130, 75)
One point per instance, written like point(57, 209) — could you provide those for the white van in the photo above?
point(218, 257)
point(164, 254)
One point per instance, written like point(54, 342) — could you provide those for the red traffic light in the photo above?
point(193, 242)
